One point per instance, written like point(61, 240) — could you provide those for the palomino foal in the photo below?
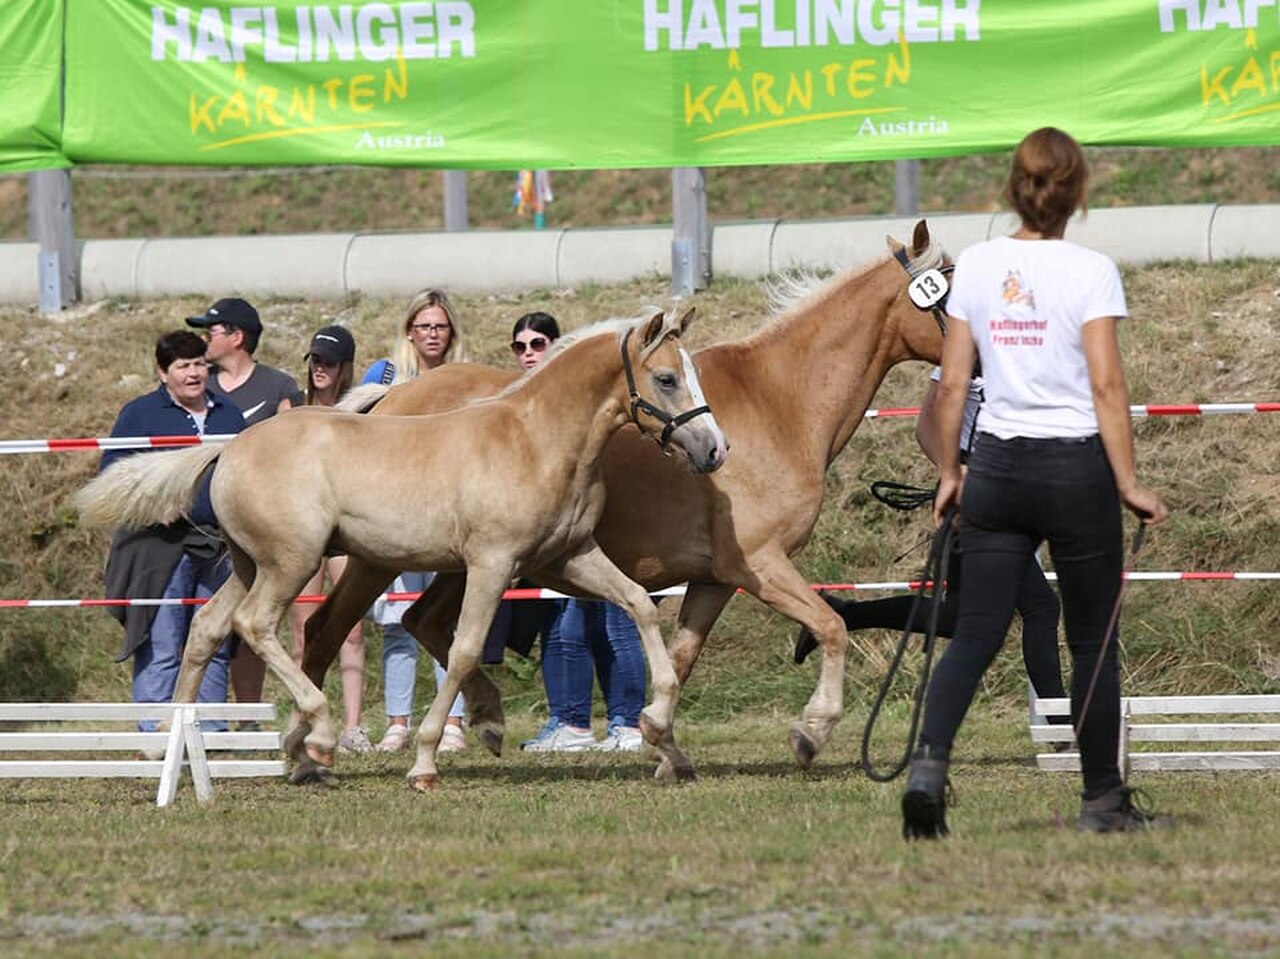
point(315, 481)
point(791, 397)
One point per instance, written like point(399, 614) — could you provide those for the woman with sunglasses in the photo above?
point(429, 336)
point(585, 639)
point(330, 371)
point(532, 335)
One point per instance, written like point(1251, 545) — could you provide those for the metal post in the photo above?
point(49, 223)
point(691, 245)
point(455, 200)
point(906, 187)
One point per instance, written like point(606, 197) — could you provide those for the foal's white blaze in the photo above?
point(695, 391)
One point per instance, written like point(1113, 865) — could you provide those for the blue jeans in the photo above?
point(400, 659)
point(593, 639)
point(399, 671)
point(1018, 493)
point(157, 661)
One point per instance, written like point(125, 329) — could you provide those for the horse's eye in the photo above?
point(665, 381)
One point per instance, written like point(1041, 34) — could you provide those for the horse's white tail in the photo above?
point(145, 489)
point(360, 399)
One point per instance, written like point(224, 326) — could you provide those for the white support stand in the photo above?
point(185, 742)
point(184, 745)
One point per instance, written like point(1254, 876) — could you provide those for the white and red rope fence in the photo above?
point(168, 442)
point(535, 592)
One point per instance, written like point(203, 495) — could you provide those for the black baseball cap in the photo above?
point(231, 311)
point(333, 344)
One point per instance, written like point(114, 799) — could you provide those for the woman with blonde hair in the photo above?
point(430, 337)
point(330, 370)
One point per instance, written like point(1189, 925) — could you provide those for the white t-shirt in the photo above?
point(1026, 303)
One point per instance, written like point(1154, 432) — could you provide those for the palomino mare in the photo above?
point(790, 396)
point(296, 486)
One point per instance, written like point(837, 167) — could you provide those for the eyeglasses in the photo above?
point(537, 344)
point(430, 329)
point(211, 331)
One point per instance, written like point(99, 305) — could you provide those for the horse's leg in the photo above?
point(780, 585)
point(591, 570)
point(210, 628)
point(354, 592)
point(431, 620)
point(325, 630)
point(701, 607)
point(484, 589)
point(256, 620)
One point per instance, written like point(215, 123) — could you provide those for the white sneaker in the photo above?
point(354, 740)
point(452, 740)
point(394, 739)
point(624, 739)
point(559, 738)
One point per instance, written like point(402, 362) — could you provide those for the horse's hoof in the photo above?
point(425, 783)
point(669, 771)
point(491, 738)
point(309, 774)
point(321, 756)
point(803, 746)
point(293, 742)
point(650, 730)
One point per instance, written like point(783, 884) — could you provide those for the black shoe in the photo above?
point(924, 804)
point(1119, 810)
point(806, 642)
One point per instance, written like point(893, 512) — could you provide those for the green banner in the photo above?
point(556, 84)
point(30, 79)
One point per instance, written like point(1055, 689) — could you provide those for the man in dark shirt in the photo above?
point(232, 328)
point(180, 559)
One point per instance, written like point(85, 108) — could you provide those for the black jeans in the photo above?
point(1019, 493)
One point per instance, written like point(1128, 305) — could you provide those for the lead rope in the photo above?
point(1138, 537)
point(939, 560)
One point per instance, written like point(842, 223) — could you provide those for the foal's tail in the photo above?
point(361, 399)
point(145, 489)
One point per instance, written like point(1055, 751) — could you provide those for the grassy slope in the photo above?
point(114, 202)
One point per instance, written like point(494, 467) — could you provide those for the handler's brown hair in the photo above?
point(1047, 180)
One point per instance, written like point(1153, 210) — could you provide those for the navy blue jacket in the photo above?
point(156, 414)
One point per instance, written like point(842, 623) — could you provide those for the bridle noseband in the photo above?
point(928, 288)
point(640, 405)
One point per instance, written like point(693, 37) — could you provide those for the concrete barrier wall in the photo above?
point(331, 265)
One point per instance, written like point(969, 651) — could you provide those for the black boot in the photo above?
point(806, 642)
point(924, 804)
point(1118, 810)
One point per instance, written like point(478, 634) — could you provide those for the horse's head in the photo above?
point(922, 272)
point(666, 398)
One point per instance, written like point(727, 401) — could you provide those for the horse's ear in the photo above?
point(684, 318)
point(920, 238)
point(653, 329)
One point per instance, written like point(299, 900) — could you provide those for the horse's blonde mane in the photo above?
point(797, 291)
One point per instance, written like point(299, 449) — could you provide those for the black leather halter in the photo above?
point(640, 405)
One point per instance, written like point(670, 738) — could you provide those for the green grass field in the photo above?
point(587, 856)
